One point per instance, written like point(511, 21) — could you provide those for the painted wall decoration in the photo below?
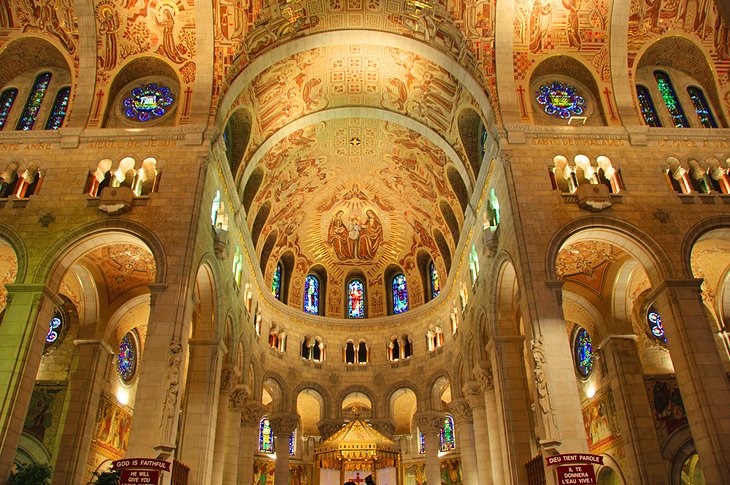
point(55, 18)
point(44, 413)
point(601, 425)
point(300, 474)
point(415, 473)
point(666, 402)
point(124, 266)
point(451, 471)
point(8, 271)
point(263, 472)
point(355, 231)
point(112, 429)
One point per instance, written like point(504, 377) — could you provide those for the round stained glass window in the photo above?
point(128, 357)
point(147, 102)
point(55, 328)
point(583, 352)
point(655, 324)
point(560, 100)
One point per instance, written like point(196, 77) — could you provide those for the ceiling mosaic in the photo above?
point(124, 267)
point(342, 195)
point(586, 263)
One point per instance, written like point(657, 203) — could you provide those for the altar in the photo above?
point(354, 452)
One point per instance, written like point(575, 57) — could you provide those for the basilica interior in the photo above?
point(310, 242)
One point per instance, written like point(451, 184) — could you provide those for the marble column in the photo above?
point(486, 382)
point(222, 430)
point(251, 415)
point(700, 374)
point(464, 431)
point(236, 404)
point(644, 464)
point(475, 397)
point(22, 338)
point(429, 423)
point(282, 426)
point(88, 371)
point(201, 405)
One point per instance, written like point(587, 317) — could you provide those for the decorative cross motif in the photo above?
point(357, 478)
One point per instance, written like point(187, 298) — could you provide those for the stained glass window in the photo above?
point(448, 441)
point(147, 102)
point(583, 352)
point(33, 105)
point(647, 107)
point(6, 104)
point(128, 357)
point(473, 264)
point(670, 99)
point(702, 108)
point(58, 113)
point(215, 207)
point(356, 299)
point(276, 282)
point(435, 283)
point(484, 141)
point(311, 294)
point(421, 443)
point(560, 100)
point(55, 327)
point(400, 294)
point(655, 324)
point(266, 437)
point(292, 440)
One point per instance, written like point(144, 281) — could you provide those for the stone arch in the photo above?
point(451, 222)
point(308, 421)
point(252, 187)
point(207, 324)
point(388, 396)
point(279, 394)
point(506, 294)
point(470, 133)
point(459, 376)
point(620, 302)
point(266, 251)
point(236, 135)
point(325, 397)
point(458, 186)
point(715, 226)
point(483, 334)
point(16, 243)
point(435, 384)
point(259, 222)
point(597, 320)
point(443, 248)
point(342, 395)
point(30, 53)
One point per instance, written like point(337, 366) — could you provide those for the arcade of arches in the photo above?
point(306, 241)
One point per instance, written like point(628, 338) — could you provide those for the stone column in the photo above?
point(22, 338)
point(282, 426)
point(88, 370)
point(201, 405)
point(251, 416)
point(486, 383)
point(222, 430)
point(644, 462)
point(430, 423)
point(475, 397)
point(700, 374)
point(464, 434)
point(236, 403)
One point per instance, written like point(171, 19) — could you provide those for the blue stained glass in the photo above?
point(356, 299)
point(54, 329)
point(655, 325)
point(484, 141)
point(670, 99)
point(448, 440)
point(6, 104)
point(311, 295)
point(127, 357)
point(266, 437)
point(400, 294)
point(147, 102)
point(276, 282)
point(583, 352)
point(60, 106)
point(291, 444)
point(421, 443)
point(560, 100)
point(33, 105)
point(647, 107)
point(702, 108)
point(435, 283)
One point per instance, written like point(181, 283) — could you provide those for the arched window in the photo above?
point(421, 443)
point(237, 266)
point(362, 353)
point(691, 472)
point(356, 299)
point(434, 277)
point(670, 99)
point(33, 105)
point(276, 282)
point(55, 328)
point(311, 294)
point(583, 352)
point(400, 294)
point(58, 113)
point(448, 440)
point(473, 264)
point(128, 357)
point(266, 437)
point(702, 107)
point(654, 320)
point(215, 207)
point(647, 107)
point(292, 441)
point(350, 352)
point(7, 98)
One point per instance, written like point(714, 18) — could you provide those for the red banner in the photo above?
point(576, 475)
point(137, 477)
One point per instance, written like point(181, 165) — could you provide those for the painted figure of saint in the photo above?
point(339, 237)
point(540, 18)
point(370, 237)
point(572, 26)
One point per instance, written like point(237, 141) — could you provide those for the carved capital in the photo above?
point(473, 394)
point(385, 426)
point(229, 376)
point(328, 427)
point(283, 423)
point(252, 413)
point(238, 398)
point(460, 410)
point(429, 422)
point(483, 375)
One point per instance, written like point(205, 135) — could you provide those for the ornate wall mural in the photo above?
point(44, 413)
point(666, 402)
point(124, 266)
point(54, 18)
point(587, 263)
point(601, 424)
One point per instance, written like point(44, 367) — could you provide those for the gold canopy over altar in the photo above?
point(357, 446)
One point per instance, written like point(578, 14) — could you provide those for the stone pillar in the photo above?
point(22, 338)
point(251, 416)
point(486, 383)
point(88, 371)
point(475, 397)
point(222, 430)
point(430, 423)
point(282, 426)
point(198, 433)
point(235, 404)
point(700, 374)
point(512, 406)
point(644, 462)
point(464, 433)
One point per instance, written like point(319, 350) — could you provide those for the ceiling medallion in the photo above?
point(147, 102)
point(355, 141)
point(560, 100)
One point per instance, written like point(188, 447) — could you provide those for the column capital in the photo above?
point(252, 413)
point(484, 377)
point(328, 427)
point(474, 394)
point(461, 411)
point(385, 425)
point(284, 423)
point(238, 398)
point(429, 422)
point(229, 377)
point(672, 284)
